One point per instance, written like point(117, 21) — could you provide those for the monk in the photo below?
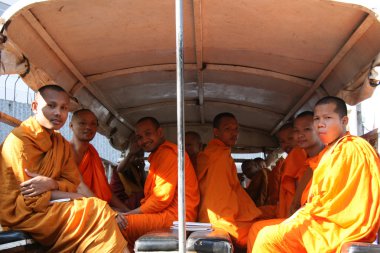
point(159, 207)
point(286, 141)
point(344, 198)
point(224, 202)
point(258, 185)
point(306, 137)
point(193, 145)
point(84, 125)
point(39, 183)
point(128, 179)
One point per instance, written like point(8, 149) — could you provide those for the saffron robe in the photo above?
point(274, 181)
point(224, 202)
point(294, 167)
point(311, 162)
point(160, 205)
point(343, 204)
point(93, 174)
point(258, 187)
point(86, 224)
point(127, 189)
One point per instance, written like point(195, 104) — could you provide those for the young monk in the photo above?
point(291, 170)
point(224, 202)
point(306, 137)
point(84, 125)
point(128, 179)
point(159, 207)
point(255, 170)
point(344, 198)
point(37, 167)
point(193, 145)
point(286, 141)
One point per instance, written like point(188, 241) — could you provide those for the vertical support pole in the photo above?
point(180, 126)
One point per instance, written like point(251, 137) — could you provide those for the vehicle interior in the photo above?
point(264, 61)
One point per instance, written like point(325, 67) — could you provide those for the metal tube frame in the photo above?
point(180, 126)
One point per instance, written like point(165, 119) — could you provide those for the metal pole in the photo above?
point(180, 126)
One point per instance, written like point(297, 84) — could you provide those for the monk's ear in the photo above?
point(345, 121)
point(34, 106)
point(216, 132)
point(160, 132)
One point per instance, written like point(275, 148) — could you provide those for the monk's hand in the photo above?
point(121, 221)
point(37, 185)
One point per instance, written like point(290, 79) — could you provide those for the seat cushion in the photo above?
point(161, 240)
point(209, 241)
point(360, 247)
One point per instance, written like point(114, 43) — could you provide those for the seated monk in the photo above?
point(159, 208)
point(193, 145)
point(258, 185)
point(344, 197)
point(306, 137)
point(128, 179)
point(37, 156)
point(224, 202)
point(293, 168)
point(84, 125)
point(286, 141)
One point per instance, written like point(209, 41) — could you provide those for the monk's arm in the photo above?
point(37, 185)
point(84, 190)
point(70, 176)
point(116, 203)
point(296, 203)
point(165, 183)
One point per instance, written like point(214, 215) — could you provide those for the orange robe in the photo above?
point(258, 187)
point(311, 162)
point(294, 168)
point(274, 181)
point(93, 174)
point(343, 205)
point(160, 204)
point(86, 224)
point(224, 202)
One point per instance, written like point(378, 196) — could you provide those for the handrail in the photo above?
point(9, 120)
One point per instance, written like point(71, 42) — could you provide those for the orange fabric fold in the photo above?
point(74, 226)
point(343, 205)
point(224, 202)
point(274, 181)
point(160, 204)
point(93, 174)
point(294, 168)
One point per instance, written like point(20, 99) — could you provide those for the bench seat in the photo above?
point(217, 241)
point(158, 241)
point(17, 241)
point(360, 247)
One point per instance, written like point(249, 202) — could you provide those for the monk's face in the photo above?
point(192, 145)
point(228, 131)
point(305, 134)
point(148, 136)
point(286, 139)
point(329, 124)
point(51, 108)
point(84, 126)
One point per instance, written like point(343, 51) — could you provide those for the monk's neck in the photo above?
point(314, 150)
point(80, 148)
